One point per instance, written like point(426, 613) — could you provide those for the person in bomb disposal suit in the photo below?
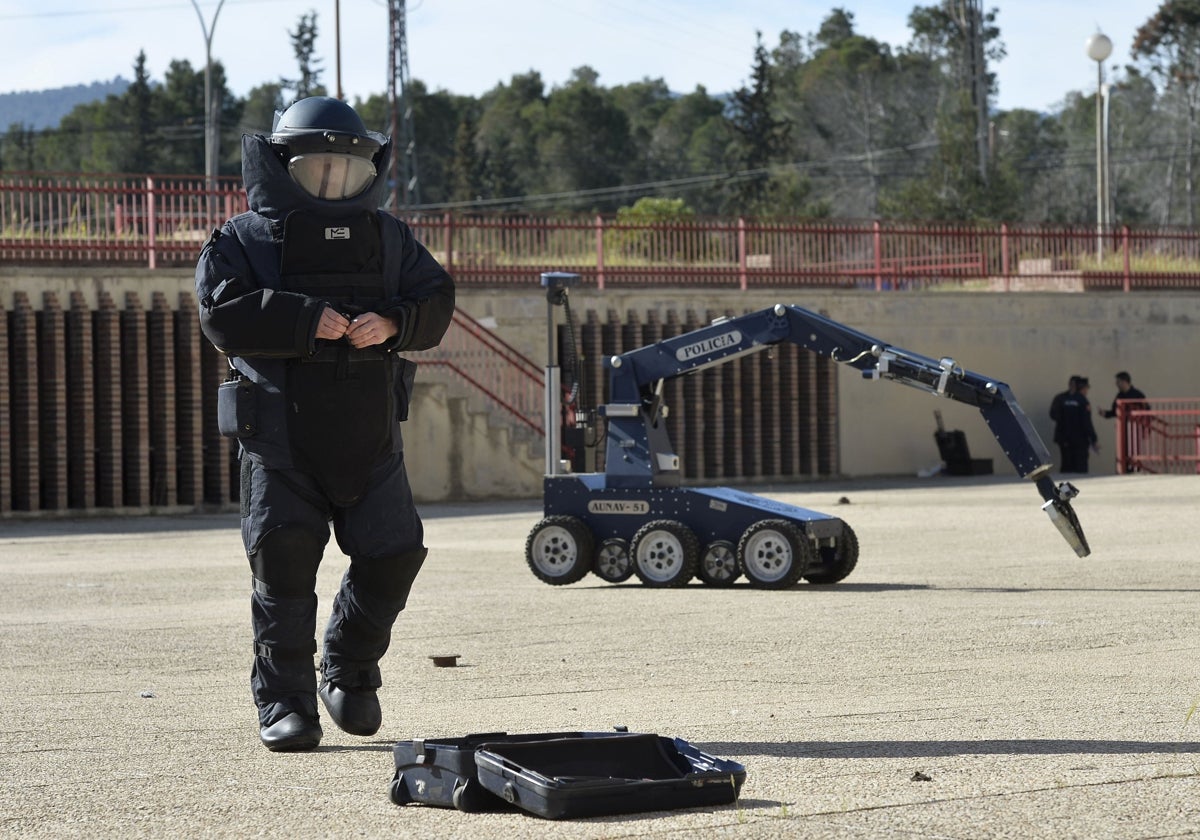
point(311, 295)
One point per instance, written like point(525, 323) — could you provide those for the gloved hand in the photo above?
point(369, 329)
point(332, 324)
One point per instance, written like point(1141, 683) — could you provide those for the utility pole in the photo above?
point(969, 17)
point(406, 188)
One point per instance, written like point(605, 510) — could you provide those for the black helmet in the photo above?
point(326, 148)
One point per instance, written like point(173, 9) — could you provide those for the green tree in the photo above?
point(466, 170)
point(436, 117)
point(376, 113)
point(830, 122)
point(583, 137)
point(690, 140)
point(760, 137)
point(646, 211)
point(1169, 45)
point(304, 45)
point(91, 138)
point(841, 94)
point(180, 117)
point(506, 137)
point(956, 39)
point(952, 189)
point(644, 104)
point(1140, 185)
point(260, 107)
point(499, 176)
point(1028, 152)
point(138, 108)
point(17, 149)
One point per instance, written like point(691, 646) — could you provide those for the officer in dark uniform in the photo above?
point(311, 295)
point(1073, 429)
point(1125, 391)
point(1133, 435)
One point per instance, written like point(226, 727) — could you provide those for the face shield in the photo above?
point(333, 176)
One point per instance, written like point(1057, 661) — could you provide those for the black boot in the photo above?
point(354, 710)
point(292, 733)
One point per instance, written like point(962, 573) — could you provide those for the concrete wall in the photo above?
point(90, 281)
point(455, 451)
point(1033, 341)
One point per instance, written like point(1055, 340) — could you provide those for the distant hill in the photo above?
point(45, 108)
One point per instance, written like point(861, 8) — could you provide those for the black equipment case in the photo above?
point(563, 775)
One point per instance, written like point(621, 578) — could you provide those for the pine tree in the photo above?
point(138, 104)
point(760, 137)
point(304, 41)
point(465, 168)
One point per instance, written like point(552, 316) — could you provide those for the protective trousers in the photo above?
point(285, 526)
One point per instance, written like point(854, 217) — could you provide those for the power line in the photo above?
point(158, 7)
point(838, 166)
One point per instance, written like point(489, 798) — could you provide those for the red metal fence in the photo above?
point(110, 219)
point(1158, 436)
point(61, 219)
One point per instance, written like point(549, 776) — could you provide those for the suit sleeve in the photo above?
point(1056, 407)
point(240, 317)
point(425, 305)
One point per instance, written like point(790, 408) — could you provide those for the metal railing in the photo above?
point(152, 221)
point(1158, 436)
point(862, 255)
point(162, 221)
point(509, 381)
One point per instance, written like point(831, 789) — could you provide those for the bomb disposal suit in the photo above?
point(311, 295)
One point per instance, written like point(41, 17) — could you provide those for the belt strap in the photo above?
point(280, 652)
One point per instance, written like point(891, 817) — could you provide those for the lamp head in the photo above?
point(1098, 46)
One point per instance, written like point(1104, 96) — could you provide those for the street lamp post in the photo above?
point(1099, 47)
point(337, 45)
point(212, 123)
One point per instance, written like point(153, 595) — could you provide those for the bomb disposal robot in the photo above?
point(635, 518)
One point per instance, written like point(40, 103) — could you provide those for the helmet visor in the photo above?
point(331, 175)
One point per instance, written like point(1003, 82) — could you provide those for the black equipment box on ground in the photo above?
point(563, 775)
point(956, 456)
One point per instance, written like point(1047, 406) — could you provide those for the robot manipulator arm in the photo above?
point(943, 377)
point(636, 381)
point(1004, 417)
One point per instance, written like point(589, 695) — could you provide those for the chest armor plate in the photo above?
point(340, 401)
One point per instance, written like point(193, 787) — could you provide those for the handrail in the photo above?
point(487, 392)
point(491, 367)
point(527, 366)
point(1158, 435)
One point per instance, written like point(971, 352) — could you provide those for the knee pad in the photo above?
point(286, 560)
point(389, 578)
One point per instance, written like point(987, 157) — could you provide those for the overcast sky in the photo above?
point(468, 46)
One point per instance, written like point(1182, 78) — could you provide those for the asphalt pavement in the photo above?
point(972, 678)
